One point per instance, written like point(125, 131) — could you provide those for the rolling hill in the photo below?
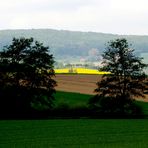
point(74, 45)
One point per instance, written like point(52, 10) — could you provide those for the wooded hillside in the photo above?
point(67, 44)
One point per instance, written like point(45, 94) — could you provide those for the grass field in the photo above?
point(80, 133)
point(75, 133)
point(78, 100)
point(71, 99)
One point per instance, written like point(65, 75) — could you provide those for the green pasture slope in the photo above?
point(74, 133)
point(71, 99)
point(80, 100)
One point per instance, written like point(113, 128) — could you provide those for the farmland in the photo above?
point(84, 84)
point(80, 71)
point(73, 100)
point(72, 133)
point(80, 83)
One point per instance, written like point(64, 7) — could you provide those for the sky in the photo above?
point(128, 17)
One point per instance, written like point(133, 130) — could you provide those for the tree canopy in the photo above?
point(26, 71)
point(116, 92)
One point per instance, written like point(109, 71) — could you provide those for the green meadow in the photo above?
point(75, 133)
point(73, 100)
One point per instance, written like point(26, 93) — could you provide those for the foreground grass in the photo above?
point(75, 133)
point(83, 133)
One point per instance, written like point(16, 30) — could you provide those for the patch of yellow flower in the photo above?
point(65, 70)
point(79, 71)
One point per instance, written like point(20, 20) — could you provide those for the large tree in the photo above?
point(26, 71)
point(116, 91)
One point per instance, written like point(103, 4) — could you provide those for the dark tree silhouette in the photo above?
point(116, 91)
point(26, 71)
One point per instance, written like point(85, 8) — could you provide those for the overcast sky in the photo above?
point(107, 16)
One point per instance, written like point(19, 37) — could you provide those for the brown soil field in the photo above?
point(84, 84)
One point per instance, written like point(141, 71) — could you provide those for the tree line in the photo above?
point(27, 86)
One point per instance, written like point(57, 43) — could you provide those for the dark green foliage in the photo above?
point(116, 92)
point(26, 71)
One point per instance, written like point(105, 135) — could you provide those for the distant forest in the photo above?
point(73, 44)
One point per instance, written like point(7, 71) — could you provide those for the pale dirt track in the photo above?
point(84, 84)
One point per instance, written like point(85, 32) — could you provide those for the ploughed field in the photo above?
point(84, 84)
point(80, 83)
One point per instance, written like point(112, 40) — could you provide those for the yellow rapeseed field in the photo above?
point(65, 70)
point(79, 71)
